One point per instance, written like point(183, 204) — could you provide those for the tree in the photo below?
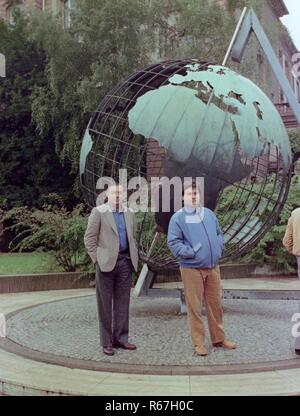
point(29, 165)
point(105, 43)
point(192, 28)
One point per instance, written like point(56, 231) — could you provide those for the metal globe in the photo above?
point(189, 118)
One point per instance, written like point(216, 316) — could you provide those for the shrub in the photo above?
point(53, 230)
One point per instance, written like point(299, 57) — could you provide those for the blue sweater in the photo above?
point(194, 242)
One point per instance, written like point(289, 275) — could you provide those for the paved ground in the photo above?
point(27, 376)
point(262, 330)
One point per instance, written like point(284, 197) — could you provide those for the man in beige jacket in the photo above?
point(291, 242)
point(291, 239)
point(110, 242)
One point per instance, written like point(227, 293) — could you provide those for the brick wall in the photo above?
point(155, 157)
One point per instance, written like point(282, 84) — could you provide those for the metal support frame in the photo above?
point(146, 276)
point(250, 25)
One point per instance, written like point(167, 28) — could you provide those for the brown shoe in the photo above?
point(108, 350)
point(201, 350)
point(228, 345)
point(125, 345)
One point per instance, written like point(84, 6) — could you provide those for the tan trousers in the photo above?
point(204, 284)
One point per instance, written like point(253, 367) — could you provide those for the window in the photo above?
point(68, 7)
point(296, 87)
point(283, 62)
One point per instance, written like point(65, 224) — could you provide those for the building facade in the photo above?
point(262, 74)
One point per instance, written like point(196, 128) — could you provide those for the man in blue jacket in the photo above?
point(195, 238)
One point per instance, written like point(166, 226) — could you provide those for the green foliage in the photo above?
point(294, 136)
point(70, 250)
point(233, 5)
point(270, 249)
point(29, 165)
point(53, 230)
point(191, 28)
point(56, 79)
point(106, 42)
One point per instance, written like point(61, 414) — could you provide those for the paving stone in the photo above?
point(262, 330)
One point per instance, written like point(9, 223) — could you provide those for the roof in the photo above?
point(279, 7)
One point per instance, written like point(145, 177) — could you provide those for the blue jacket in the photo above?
point(196, 244)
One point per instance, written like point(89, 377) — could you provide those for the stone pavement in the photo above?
point(67, 329)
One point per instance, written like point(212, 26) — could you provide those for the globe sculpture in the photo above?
point(189, 118)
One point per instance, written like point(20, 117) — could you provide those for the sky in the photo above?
point(292, 21)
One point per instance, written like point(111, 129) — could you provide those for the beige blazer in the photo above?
point(101, 237)
point(291, 239)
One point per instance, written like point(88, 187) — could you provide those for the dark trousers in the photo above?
point(113, 298)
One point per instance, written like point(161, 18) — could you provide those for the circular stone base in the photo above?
point(66, 332)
